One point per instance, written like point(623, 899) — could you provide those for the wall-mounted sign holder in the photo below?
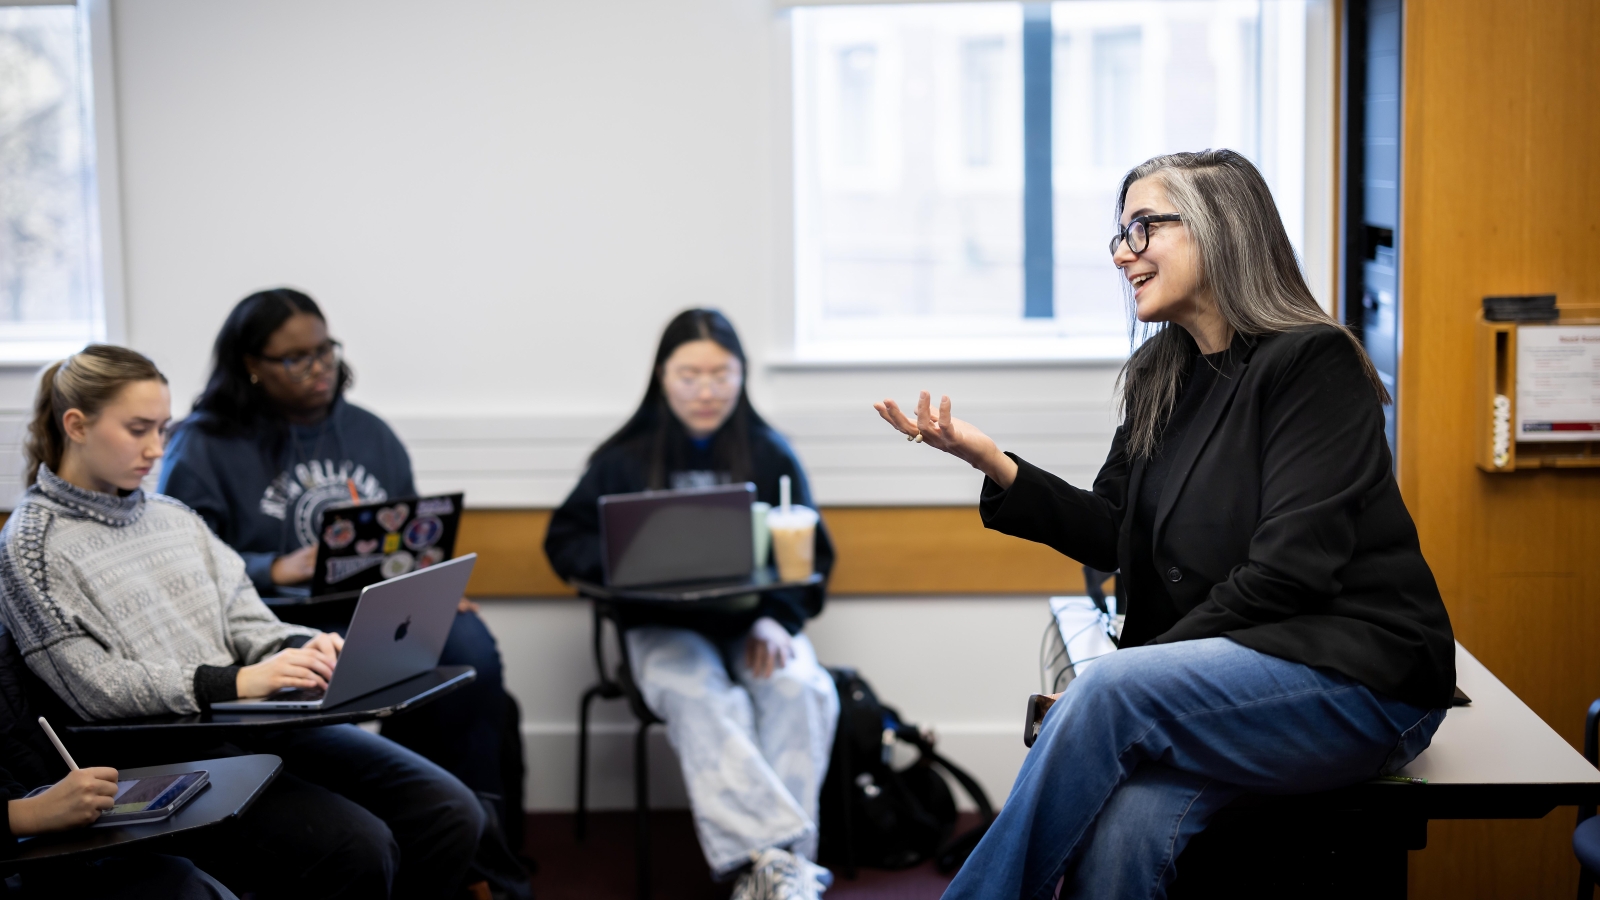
point(1501, 445)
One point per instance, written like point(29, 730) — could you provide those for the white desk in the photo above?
point(1493, 759)
point(1499, 742)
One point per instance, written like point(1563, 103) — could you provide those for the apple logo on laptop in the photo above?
point(401, 631)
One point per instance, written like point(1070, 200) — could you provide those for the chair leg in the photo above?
point(1585, 883)
point(580, 823)
point(641, 801)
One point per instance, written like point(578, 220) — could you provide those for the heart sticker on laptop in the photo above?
point(392, 517)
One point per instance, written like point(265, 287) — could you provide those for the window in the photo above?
point(51, 300)
point(956, 164)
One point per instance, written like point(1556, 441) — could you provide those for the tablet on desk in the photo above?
point(148, 799)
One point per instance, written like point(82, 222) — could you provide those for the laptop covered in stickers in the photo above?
point(363, 544)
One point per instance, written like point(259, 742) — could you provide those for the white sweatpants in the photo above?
point(754, 751)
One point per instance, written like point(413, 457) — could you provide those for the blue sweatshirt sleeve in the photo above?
point(404, 479)
point(189, 475)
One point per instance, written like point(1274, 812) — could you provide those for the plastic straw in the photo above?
point(783, 492)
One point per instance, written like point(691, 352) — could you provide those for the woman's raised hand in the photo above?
point(953, 436)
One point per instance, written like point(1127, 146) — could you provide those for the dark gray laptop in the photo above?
point(398, 631)
point(686, 538)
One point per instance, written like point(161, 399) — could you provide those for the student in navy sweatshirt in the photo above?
point(271, 443)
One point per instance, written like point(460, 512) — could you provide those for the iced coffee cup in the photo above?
point(794, 541)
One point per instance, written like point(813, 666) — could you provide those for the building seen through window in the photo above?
point(50, 295)
point(920, 216)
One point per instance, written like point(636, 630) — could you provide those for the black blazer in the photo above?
point(1281, 525)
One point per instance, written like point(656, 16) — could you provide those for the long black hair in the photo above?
point(655, 434)
point(230, 405)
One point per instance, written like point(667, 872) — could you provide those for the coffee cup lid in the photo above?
point(795, 517)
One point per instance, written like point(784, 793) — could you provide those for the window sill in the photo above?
point(793, 364)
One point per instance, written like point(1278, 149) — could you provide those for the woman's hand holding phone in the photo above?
point(953, 436)
point(73, 802)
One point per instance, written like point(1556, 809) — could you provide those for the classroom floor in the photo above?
point(602, 866)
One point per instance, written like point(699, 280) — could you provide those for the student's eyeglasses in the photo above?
point(689, 381)
point(1137, 232)
point(300, 366)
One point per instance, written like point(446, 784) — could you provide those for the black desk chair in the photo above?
point(607, 604)
point(612, 686)
point(1586, 839)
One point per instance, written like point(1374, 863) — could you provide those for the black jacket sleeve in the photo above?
point(1315, 478)
point(572, 542)
point(1041, 507)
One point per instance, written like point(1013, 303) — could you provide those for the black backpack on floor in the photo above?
point(877, 817)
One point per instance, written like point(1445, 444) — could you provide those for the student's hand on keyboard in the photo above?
point(293, 668)
point(942, 431)
point(327, 643)
point(72, 802)
point(767, 648)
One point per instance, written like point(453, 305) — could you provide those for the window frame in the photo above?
point(105, 212)
point(1316, 211)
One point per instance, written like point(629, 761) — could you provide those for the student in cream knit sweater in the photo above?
point(130, 606)
point(125, 604)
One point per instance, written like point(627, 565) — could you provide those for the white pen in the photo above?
point(60, 748)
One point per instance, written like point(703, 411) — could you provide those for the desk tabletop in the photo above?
point(235, 783)
point(1492, 759)
point(761, 582)
point(1497, 740)
point(404, 695)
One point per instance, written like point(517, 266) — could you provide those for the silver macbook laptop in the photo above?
point(398, 631)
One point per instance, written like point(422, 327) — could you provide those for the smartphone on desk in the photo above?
point(148, 799)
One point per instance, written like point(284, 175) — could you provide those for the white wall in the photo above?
point(499, 204)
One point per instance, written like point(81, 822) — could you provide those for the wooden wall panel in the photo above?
point(882, 550)
point(1502, 115)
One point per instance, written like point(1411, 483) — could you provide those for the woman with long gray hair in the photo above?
point(1283, 632)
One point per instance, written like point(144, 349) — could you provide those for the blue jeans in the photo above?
point(1149, 743)
point(352, 815)
point(753, 750)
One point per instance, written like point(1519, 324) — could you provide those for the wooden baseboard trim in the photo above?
point(918, 551)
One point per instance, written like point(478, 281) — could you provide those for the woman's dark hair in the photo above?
point(230, 405)
point(655, 434)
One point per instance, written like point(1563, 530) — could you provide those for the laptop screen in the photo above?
point(674, 537)
point(364, 544)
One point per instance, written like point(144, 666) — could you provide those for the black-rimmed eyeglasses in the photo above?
point(1137, 232)
point(299, 366)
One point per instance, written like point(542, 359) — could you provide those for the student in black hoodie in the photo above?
point(271, 443)
point(748, 708)
point(75, 799)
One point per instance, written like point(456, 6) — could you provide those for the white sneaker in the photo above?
point(780, 875)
